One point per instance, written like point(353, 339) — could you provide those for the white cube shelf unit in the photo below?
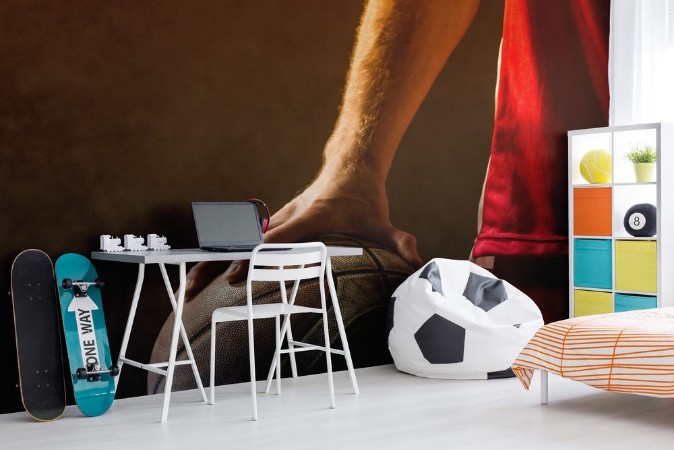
point(610, 269)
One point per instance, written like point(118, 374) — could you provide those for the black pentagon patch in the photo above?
point(389, 316)
point(485, 292)
point(432, 273)
point(441, 341)
point(507, 373)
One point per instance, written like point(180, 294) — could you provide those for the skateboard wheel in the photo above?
point(114, 370)
point(67, 283)
point(81, 374)
point(99, 283)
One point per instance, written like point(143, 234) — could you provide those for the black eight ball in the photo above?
point(640, 220)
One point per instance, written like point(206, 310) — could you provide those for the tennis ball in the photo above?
point(595, 166)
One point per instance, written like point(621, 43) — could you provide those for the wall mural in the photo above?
point(115, 117)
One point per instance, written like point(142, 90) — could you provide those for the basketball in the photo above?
point(364, 286)
point(595, 166)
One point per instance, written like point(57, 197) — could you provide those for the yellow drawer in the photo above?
point(586, 303)
point(636, 266)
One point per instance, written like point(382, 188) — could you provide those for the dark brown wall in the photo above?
point(115, 115)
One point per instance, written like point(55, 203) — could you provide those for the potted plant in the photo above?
point(643, 158)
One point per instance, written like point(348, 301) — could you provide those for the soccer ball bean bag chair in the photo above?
point(454, 319)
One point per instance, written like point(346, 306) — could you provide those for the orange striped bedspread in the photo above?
point(629, 352)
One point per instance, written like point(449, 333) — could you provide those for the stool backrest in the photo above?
point(290, 262)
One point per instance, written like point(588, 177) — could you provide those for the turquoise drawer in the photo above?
point(625, 302)
point(592, 263)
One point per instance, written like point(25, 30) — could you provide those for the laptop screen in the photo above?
point(227, 224)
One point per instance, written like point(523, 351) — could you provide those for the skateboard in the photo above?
point(91, 368)
point(38, 336)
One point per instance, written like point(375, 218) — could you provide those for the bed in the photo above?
point(630, 352)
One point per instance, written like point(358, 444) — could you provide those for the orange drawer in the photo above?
point(592, 211)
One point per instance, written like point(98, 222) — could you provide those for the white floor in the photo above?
point(393, 411)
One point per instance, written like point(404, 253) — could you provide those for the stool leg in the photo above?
point(291, 346)
point(129, 321)
point(276, 360)
point(288, 329)
point(212, 369)
point(328, 354)
point(340, 326)
point(183, 334)
point(251, 354)
point(544, 387)
point(278, 354)
point(177, 324)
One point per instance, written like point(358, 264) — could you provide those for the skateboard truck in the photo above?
point(81, 287)
point(93, 372)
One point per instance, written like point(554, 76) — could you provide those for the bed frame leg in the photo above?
point(544, 387)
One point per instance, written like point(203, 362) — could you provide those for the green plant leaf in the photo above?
point(645, 154)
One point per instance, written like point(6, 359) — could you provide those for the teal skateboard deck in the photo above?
point(38, 336)
point(91, 369)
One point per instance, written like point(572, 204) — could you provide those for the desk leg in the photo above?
point(174, 341)
point(340, 326)
point(129, 321)
point(183, 333)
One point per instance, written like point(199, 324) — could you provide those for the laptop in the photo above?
point(227, 226)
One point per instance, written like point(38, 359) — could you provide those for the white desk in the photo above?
point(181, 258)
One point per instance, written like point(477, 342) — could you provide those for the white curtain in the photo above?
point(641, 61)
